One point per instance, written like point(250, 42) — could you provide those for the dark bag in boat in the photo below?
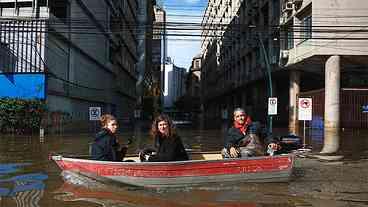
point(121, 152)
point(287, 143)
point(146, 153)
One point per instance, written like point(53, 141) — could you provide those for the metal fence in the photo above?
point(353, 107)
point(22, 46)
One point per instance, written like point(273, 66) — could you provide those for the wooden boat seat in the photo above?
point(192, 156)
point(205, 156)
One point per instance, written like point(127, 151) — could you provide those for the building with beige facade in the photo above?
point(304, 45)
point(327, 39)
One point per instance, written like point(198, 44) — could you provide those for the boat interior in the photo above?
point(192, 156)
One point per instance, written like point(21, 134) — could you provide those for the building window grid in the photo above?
point(306, 24)
point(289, 38)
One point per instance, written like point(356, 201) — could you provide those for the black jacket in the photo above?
point(105, 147)
point(235, 138)
point(169, 149)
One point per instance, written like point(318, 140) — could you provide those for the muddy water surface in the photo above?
point(29, 178)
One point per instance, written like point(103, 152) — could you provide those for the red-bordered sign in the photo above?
point(305, 102)
point(305, 109)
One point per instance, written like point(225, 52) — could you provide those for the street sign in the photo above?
point(305, 109)
point(137, 113)
point(365, 109)
point(224, 114)
point(272, 106)
point(94, 113)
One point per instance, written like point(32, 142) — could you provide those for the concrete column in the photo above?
point(332, 93)
point(294, 89)
point(331, 142)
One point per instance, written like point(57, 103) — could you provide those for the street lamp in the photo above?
point(270, 94)
point(268, 68)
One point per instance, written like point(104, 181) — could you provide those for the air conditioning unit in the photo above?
point(297, 4)
point(297, 1)
point(288, 7)
point(284, 54)
point(282, 20)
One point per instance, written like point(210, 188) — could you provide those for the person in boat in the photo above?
point(106, 146)
point(168, 145)
point(242, 139)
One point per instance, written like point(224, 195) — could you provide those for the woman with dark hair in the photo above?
point(168, 144)
point(105, 146)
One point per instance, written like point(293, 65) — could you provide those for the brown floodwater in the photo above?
point(338, 177)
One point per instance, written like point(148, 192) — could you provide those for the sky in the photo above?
point(180, 48)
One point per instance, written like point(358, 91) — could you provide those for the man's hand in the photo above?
point(273, 146)
point(233, 152)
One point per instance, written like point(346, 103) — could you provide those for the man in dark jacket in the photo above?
point(242, 139)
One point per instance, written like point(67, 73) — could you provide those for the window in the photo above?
point(197, 64)
point(289, 37)
point(306, 24)
point(59, 9)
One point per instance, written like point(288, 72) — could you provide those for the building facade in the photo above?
point(266, 48)
point(145, 68)
point(326, 39)
point(193, 87)
point(173, 81)
point(158, 55)
point(87, 51)
point(191, 100)
point(234, 73)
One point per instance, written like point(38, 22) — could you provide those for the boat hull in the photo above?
point(183, 173)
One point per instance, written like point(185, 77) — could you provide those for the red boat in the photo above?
point(203, 168)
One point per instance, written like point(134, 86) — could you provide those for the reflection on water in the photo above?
point(316, 182)
point(24, 190)
point(110, 195)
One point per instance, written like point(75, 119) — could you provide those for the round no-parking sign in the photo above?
point(305, 109)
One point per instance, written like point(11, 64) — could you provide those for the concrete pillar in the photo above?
point(332, 93)
point(331, 143)
point(294, 89)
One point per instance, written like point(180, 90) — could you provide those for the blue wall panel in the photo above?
point(24, 86)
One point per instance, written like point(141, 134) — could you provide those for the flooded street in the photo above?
point(29, 178)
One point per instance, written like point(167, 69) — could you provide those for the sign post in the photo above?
point(94, 115)
point(137, 114)
point(304, 113)
point(272, 106)
point(365, 109)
